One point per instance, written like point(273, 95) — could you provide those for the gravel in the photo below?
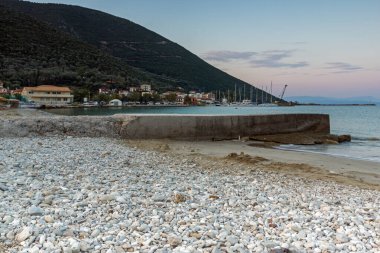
point(62, 194)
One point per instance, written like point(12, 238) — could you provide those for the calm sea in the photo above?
point(361, 122)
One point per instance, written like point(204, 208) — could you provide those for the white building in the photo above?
point(146, 87)
point(115, 102)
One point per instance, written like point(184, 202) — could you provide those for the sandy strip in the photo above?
point(364, 174)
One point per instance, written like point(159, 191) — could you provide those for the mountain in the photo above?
point(150, 54)
point(330, 100)
point(32, 52)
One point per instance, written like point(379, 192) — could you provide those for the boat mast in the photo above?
point(257, 95)
point(235, 94)
point(271, 96)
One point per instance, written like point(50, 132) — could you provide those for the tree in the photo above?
point(102, 97)
point(134, 96)
point(80, 94)
point(156, 98)
point(147, 97)
point(171, 97)
point(115, 96)
point(187, 100)
point(20, 97)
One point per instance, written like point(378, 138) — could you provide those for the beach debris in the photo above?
point(302, 138)
point(344, 138)
point(164, 147)
point(246, 158)
point(179, 197)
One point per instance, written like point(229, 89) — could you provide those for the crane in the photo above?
point(283, 91)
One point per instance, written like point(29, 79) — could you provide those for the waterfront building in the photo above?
point(2, 89)
point(115, 102)
point(48, 95)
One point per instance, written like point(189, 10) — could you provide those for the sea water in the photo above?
point(361, 122)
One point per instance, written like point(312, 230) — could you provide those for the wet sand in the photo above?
point(364, 174)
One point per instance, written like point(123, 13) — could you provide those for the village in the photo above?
point(46, 96)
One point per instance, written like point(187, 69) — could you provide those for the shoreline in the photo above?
point(324, 166)
point(327, 154)
point(363, 174)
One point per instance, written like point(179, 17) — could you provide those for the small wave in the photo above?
point(299, 149)
point(365, 138)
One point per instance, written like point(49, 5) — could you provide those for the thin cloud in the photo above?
point(273, 59)
point(296, 43)
point(264, 59)
point(342, 67)
point(225, 56)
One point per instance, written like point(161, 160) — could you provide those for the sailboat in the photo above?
point(266, 104)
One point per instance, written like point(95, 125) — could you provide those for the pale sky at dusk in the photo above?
point(319, 48)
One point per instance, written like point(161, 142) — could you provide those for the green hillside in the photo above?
point(164, 62)
point(130, 42)
point(32, 52)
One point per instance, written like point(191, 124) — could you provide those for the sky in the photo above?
point(318, 48)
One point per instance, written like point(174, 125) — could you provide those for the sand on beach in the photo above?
point(364, 174)
point(360, 173)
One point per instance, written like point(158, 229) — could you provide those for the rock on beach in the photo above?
point(61, 194)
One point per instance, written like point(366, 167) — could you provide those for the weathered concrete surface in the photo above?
point(86, 126)
point(154, 126)
point(221, 126)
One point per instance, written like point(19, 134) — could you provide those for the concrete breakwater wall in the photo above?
point(155, 126)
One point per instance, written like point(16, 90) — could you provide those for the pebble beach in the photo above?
point(65, 194)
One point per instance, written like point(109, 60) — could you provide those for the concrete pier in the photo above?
point(159, 126)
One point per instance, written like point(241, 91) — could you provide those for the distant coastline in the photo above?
point(313, 104)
